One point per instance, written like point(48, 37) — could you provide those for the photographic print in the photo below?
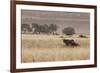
point(52, 36)
point(55, 36)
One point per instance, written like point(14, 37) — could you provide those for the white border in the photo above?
point(51, 64)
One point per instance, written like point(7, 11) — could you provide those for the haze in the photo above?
point(79, 21)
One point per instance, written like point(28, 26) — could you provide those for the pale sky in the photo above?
point(79, 21)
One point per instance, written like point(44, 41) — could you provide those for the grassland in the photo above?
point(43, 48)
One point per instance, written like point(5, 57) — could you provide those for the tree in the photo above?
point(43, 28)
point(46, 28)
point(52, 28)
point(25, 28)
point(69, 31)
point(35, 27)
point(39, 28)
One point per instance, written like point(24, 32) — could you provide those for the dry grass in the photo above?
point(40, 48)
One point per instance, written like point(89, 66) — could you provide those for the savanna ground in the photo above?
point(42, 48)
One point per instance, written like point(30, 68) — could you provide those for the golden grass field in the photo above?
point(42, 48)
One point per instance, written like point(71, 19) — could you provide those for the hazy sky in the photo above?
point(79, 21)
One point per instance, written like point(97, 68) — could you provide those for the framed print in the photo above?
point(52, 36)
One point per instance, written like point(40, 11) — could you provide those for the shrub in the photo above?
point(82, 36)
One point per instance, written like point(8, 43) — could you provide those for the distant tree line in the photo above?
point(45, 29)
point(39, 29)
